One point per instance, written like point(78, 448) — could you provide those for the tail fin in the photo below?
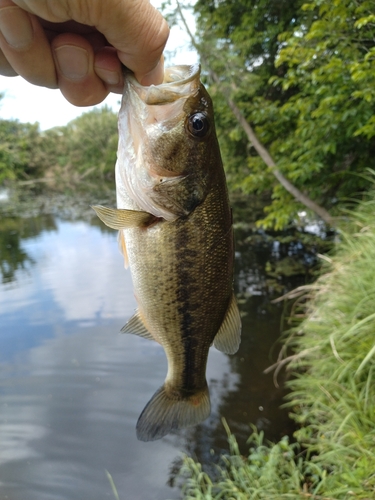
point(166, 412)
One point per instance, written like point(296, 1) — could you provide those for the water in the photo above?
point(72, 387)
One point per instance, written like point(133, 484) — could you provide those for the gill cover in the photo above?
point(164, 131)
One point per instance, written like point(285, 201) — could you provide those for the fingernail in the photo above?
point(154, 77)
point(73, 61)
point(109, 77)
point(16, 27)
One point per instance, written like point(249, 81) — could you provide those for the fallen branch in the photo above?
point(33, 181)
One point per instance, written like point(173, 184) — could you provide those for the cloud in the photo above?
point(79, 270)
point(83, 270)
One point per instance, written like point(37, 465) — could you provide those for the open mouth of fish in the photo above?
point(151, 122)
point(179, 82)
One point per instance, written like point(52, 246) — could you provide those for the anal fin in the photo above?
point(228, 337)
point(136, 327)
point(117, 218)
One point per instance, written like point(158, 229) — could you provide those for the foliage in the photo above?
point(332, 394)
point(91, 142)
point(19, 153)
point(302, 75)
point(270, 471)
point(85, 147)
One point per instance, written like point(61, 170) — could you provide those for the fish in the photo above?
point(176, 235)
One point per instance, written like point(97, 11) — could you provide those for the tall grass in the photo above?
point(269, 472)
point(332, 393)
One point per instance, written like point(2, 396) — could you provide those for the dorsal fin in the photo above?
point(228, 337)
point(136, 327)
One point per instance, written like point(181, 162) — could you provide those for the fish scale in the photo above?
point(176, 233)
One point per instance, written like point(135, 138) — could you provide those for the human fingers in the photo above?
point(139, 34)
point(108, 67)
point(5, 68)
point(134, 27)
point(84, 77)
point(25, 46)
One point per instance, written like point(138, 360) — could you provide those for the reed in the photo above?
point(332, 392)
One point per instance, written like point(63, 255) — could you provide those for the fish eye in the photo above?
point(198, 124)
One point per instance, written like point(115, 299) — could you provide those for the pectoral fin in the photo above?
point(117, 218)
point(228, 337)
point(136, 327)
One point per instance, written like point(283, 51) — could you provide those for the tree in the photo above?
point(330, 59)
point(91, 142)
point(255, 142)
point(19, 150)
point(62, 155)
point(259, 50)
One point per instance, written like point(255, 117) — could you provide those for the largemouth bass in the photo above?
point(175, 232)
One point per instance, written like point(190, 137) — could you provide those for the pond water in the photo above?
point(72, 387)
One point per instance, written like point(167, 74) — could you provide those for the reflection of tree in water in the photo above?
point(13, 230)
point(254, 399)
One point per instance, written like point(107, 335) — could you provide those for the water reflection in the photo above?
point(72, 387)
point(253, 399)
point(13, 256)
point(68, 412)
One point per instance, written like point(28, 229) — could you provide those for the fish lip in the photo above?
point(168, 91)
point(194, 71)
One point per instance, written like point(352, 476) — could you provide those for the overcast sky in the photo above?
point(29, 103)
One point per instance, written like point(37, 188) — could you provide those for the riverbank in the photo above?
point(332, 392)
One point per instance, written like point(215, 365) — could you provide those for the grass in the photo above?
point(332, 393)
point(113, 486)
point(270, 471)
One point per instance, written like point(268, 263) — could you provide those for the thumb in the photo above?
point(139, 33)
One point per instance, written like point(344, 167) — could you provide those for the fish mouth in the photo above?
point(151, 161)
point(179, 81)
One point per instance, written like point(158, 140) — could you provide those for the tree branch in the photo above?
point(253, 139)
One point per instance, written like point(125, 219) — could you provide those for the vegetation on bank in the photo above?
point(83, 150)
point(300, 73)
point(332, 392)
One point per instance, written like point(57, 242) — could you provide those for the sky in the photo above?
point(29, 103)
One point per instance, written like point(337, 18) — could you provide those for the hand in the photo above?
point(78, 45)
